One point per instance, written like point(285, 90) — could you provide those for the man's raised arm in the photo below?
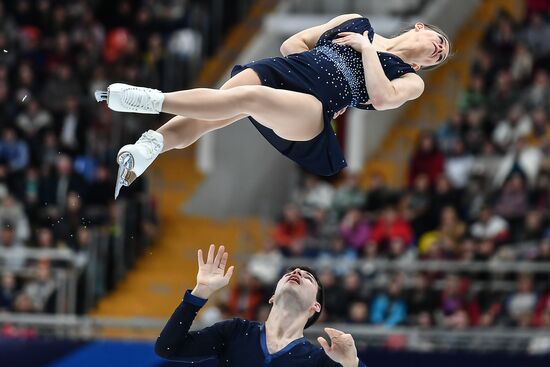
point(176, 342)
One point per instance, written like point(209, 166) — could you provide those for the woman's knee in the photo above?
point(248, 98)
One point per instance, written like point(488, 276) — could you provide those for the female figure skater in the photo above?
point(291, 100)
point(280, 341)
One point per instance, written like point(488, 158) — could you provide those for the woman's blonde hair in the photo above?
point(439, 31)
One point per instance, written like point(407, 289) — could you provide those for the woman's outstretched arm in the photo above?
point(306, 39)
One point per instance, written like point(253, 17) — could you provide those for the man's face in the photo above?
point(300, 284)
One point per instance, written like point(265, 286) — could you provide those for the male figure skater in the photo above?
point(279, 342)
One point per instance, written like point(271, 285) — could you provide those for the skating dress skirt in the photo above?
point(332, 73)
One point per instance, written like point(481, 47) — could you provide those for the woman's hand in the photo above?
point(340, 112)
point(210, 276)
point(343, 348)
point(355, 40)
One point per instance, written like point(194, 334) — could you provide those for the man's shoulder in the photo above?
point(238, 325)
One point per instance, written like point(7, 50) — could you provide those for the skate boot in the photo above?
point(133, 159)
point(128, 98)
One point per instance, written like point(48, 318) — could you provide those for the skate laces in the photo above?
point(147, 139)
point(141, 99)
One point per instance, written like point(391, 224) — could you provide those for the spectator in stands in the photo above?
point(450, 132)
point(522, 64)
point(355, 229)
point(490, 307)
point(541, 317)
point(57, 185)
point(541, 344)
point(418, 204)
point(505, 93)
point(290, 228)
point(475, 130)
point(473, 97)
point(517, 124)
point(459, 165)
point(500, 38)
point(338, 256)
point(467, 249)
point(13, 150)
point(314, 199)
point(71, 217)
point(358, 313)
point(41, 289)
point(540, 134)
point(389, 227)
point(13, 250)
point(72, 127)
point(30, 196)
point(45, 238)
point(100, 192)
point(520, 304)
point(334, 293)
point(23, 303)
point(532, 227)
point(349, 195)
point(490, 226)
point(32, 122)
point(8, 290)
point(421, 300)
point(454, 308)
point(388, 308)
point(83, 240)
point(378, 194)
point(427, 159)
point(49, 151)
point(543, 252)
point(538, 92)
point(245, 297)
point(60, 85)
point(267, 264)
point(539, 197)
point(446, 236)
point(536, 36)
point(485, 250)
point(512, 202)
point(444, 195)
point(484, 66)
point(13, 214)
point(353, 290)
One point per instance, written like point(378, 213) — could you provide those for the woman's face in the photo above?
point(432, 48)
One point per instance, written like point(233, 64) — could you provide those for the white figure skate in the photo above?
point(128, 98)
point(133, 159)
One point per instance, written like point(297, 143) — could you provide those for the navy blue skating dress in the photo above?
point(333, 74)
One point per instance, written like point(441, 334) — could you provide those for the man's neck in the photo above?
point(285, 323)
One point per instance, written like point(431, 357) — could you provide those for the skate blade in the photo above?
point(101, 95)
point(125, 176)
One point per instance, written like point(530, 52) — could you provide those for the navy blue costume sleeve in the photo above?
point(176, 342)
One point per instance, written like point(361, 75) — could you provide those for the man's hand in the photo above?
point(210, 276)
point(342, 350)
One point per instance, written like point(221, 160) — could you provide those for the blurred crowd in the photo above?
point(58, 146)
point(478, 190)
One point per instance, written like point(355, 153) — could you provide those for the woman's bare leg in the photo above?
point(180, 132)
point(292, 115)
